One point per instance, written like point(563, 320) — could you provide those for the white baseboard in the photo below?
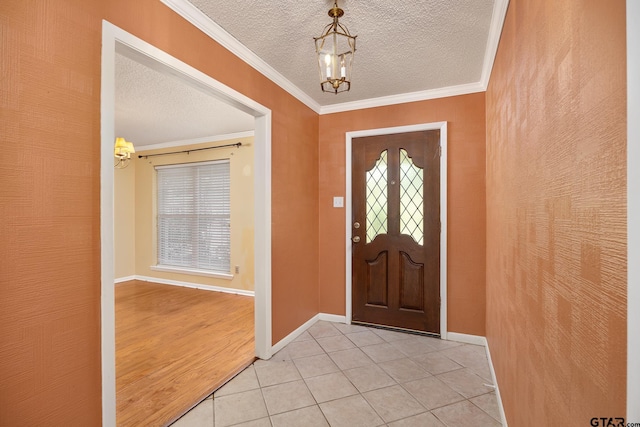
point(451, 336)
point(495, 382)
point(293, 335)
point(195, 285)
point(467, 339)
point(332, 318)
point(479, 340)
point(124, 279)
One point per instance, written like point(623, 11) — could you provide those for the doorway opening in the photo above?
point(349, 220)
point(117, 40)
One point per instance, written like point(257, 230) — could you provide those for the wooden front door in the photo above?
point(396, 230)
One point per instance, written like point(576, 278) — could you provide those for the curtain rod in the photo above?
point(237, 145)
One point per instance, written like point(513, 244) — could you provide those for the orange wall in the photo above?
point(50, 200)
point(556, 212)
point(466, 200)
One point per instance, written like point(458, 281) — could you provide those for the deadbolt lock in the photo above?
point(356, 224)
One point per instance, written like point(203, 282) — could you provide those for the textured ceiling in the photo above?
point(402, 46)
point(155, 108)
point(406, 50)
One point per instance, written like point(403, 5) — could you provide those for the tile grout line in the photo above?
point(288, 357)
point(426, 410)
point(351, 382)
point(314, 398)
point(307, 386)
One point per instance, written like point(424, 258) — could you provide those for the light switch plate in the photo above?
point(338, 202)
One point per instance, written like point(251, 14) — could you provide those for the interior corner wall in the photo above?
point(465, 116)
point(556, 212)
point(124, 213)
point(50, 354)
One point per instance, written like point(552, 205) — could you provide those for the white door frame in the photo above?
point(115, 40)
point(633, 210)
point(442, 127)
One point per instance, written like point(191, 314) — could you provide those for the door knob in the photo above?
point(355, 239)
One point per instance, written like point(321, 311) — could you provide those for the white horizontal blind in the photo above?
point(194, 216)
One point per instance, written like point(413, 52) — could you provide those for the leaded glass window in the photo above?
point(411, 198)
point(377, 201)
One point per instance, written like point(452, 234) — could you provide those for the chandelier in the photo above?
point(335, 49)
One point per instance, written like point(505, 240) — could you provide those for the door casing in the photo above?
point(442, 126)
point(115, 39)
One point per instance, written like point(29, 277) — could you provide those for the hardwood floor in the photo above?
point(174, 347)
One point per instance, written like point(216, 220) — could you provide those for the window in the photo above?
point(194, 216)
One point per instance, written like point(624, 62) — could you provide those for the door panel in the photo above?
point(411, 284)
point(396, 229)
point(377, 280)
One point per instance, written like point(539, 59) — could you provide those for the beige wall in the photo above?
point(124, 220)
point(556, 212)
point(242, 211)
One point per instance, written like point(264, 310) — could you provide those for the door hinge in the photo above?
point(440, 150)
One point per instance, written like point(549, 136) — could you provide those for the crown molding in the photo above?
point(404, 98)
point(493, 40)
point(201, 21)
point(197, 18)
point(183, 142)
point(497, 22)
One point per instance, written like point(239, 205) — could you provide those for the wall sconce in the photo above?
point(335, 49)
point(122, 152)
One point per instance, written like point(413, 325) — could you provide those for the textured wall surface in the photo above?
point(466, 200)
point(49, 210)
point(50, 199)
point(556, 212)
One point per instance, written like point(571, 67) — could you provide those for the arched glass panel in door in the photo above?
point(411, 198)
point(376, 198)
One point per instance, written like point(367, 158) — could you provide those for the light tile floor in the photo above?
point(347, 375)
